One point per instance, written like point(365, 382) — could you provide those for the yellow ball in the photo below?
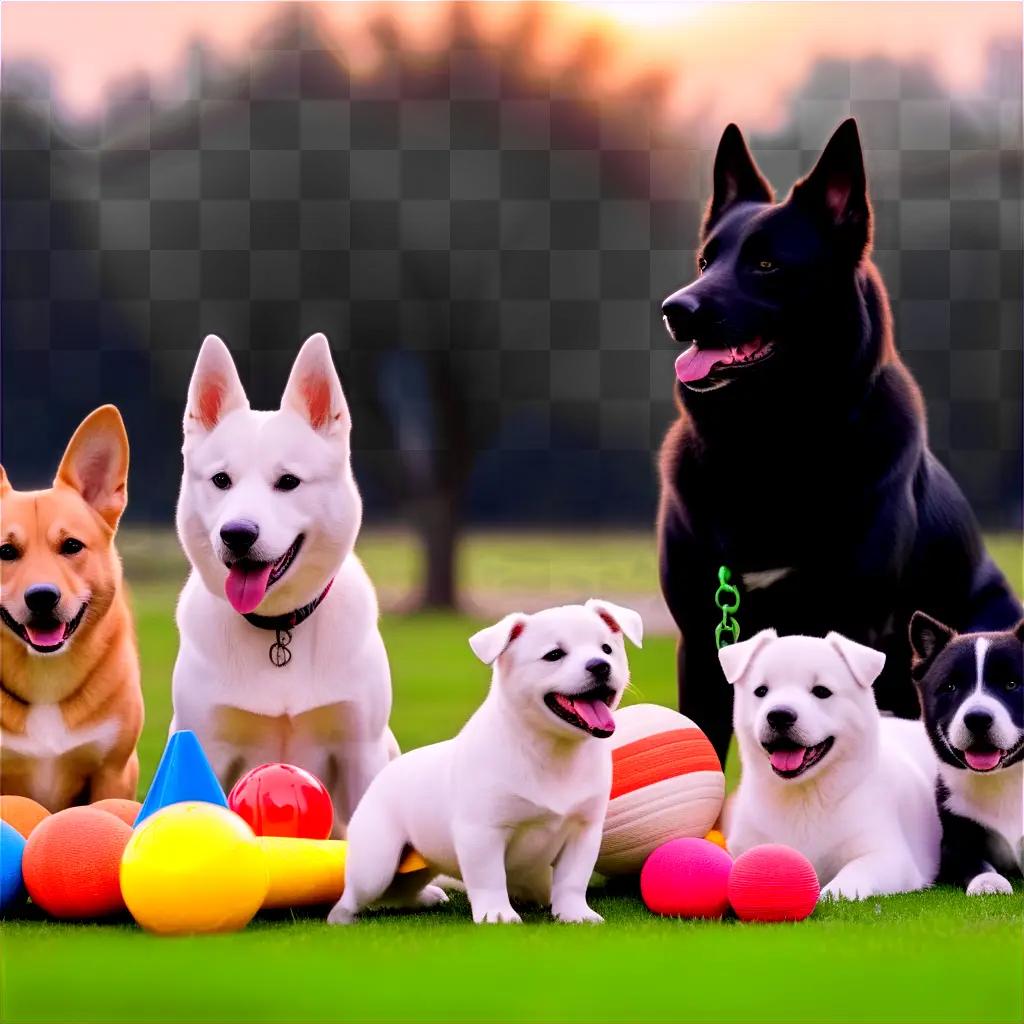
point(193, 867)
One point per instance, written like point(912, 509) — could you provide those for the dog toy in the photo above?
point(773, 883)
point(667, 783)
point(283, 800)
point(72, 860)
point(183, 774)
point(193, 867)
point(22, 813)
point(716, 837)
point(12, 851)
point(687, 878)
point(307, 872)
point(126, 810)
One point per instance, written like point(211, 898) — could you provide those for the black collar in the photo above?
point(283, 625)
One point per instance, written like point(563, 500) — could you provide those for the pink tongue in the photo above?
point(45, 637)
point(245, 587)
point(696, 363)
point(595, 713)
point(982, 762)
point(787, 760)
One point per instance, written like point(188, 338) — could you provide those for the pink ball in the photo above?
point(686, 878)
point(773, 883)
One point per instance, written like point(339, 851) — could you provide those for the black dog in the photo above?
point(972, 701)
point(800, 459)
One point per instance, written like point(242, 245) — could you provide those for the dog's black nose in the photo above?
point(599, 669)
point(682, 315)
point(978, 722)
point(239, 535)
point(781, 718)
point(42, 598)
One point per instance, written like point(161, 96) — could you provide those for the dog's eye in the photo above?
point(221, 481)
point(555, 655)
point(71, 546)
point(702, 264)
point(761, 691)
point(607, 648)
point(287, 482)
point(821, 692)
point(8, 553)
point(1010, 684)
point(948, 687)
point(766, 266)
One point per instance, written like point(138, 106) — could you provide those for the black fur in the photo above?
point(814, 459)
point(945, 673)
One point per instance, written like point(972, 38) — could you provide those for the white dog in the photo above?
point(823, 772)
point(281, 658)
point(515, 803)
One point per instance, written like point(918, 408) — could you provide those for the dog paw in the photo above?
point(577, 915)
point(431, 896)
point(847, 890)
point(340, 914)
point(989, 882)
point(497, 915)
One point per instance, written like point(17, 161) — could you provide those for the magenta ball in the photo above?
point(687, 878)
point(773, 883)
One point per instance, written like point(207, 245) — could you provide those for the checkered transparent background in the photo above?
point(458, 229)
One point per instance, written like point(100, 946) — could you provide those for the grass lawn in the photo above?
point(935, 956)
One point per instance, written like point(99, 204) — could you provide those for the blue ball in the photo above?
point(12, 848)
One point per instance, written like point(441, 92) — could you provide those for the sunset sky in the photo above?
point(733, 59)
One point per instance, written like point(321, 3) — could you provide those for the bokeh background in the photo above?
point(482, 205)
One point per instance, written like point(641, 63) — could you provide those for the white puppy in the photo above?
point(515, 803)
point(823, 772)
point(281, 658)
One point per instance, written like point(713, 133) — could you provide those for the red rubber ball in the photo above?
point(686, 878)
point(72, 863)
point(773, 883)
point(283, 800)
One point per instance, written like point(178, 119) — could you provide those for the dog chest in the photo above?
point(996, 801)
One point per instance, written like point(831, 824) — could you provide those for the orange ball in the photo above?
point(126, 810)
point(21, 813)
point(72, 863)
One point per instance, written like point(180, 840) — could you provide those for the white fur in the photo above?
point(515, 803)
point(865, 814)
point(327, 710)
point(47, 739)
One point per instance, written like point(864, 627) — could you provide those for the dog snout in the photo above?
point(681, 313)
point(781, 719)
point(978, 722)
point(42, 598)
point(239, 535)
point(600, 669)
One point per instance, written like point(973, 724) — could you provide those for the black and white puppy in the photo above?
point(972, 698)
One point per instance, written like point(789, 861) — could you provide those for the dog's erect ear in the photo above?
point(215, 388)
point(928, 636)
point(314, 390)
point(736, 177)
point(5, 484)
point(838, 187)
point(736, 659)
point(619, 619)
point(865, 663)
point(490, 643)
point(95, 463)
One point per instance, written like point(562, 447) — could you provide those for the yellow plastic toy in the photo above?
point(307, 872)
point(194, 867)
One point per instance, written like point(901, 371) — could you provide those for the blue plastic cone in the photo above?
point(184, 773)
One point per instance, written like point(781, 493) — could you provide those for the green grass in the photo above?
point(935, 956)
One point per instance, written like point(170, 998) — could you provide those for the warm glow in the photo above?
point(730, 61)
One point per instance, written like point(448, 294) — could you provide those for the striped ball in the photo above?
point(667, 783)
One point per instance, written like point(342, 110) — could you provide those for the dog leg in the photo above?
point(115, 780)
point(572, 870)
point(873, 875)
point(358, 764)
point(989, 882)
point(375, 848)
point(480, 850)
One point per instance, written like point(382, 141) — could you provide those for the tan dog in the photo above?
point(70, 702)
